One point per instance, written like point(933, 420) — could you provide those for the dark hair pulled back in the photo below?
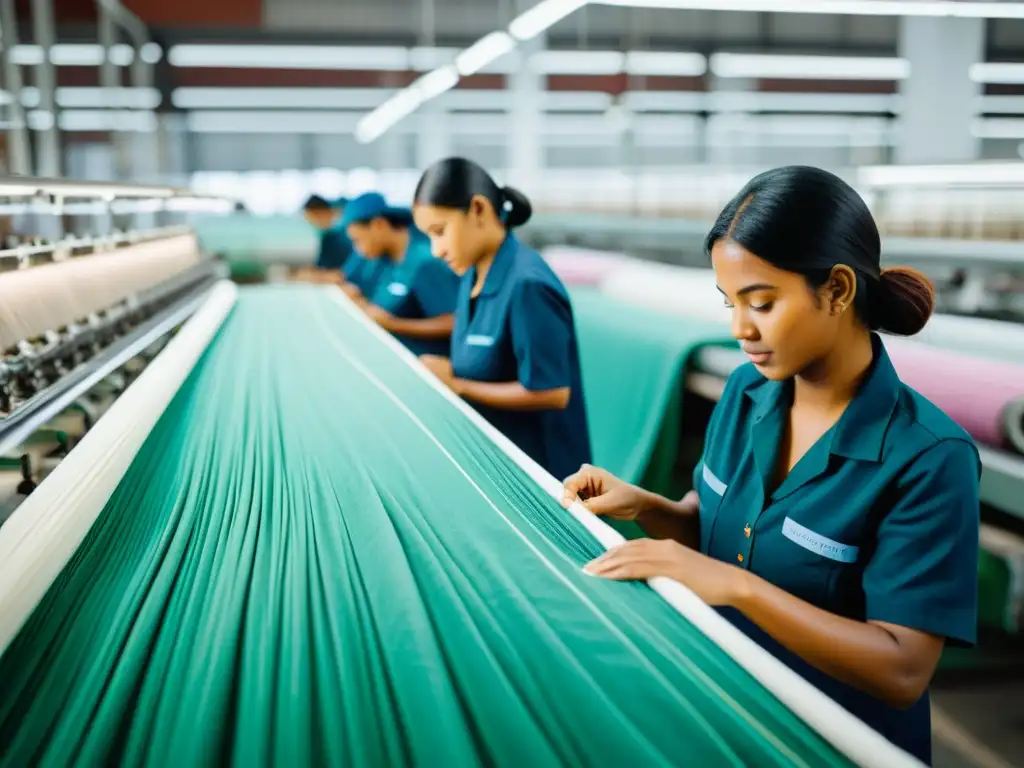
point(455, 181)
point(316, 203)
point(807, 220)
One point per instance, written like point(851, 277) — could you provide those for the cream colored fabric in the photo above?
point(45, 298)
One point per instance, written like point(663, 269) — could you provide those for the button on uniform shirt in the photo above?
point(335, 248)
point(418, 287)
point(877, 521)
point(520, 328)
point(365, 274)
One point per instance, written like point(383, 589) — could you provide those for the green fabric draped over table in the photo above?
point(633, 362)
point(316, 560)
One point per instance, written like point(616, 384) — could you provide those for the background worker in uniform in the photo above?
point(514, 354)
point(335, 247)
point(836, 513)
point(414, 298)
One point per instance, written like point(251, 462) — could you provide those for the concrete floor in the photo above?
point(978, 720)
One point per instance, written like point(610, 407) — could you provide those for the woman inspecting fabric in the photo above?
point(836, 512)
point(414, 299)
point(514, 354)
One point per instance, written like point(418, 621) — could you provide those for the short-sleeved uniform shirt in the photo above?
point(418, 287)
point(365, 274)
point(520, 328)
point(335, 248)
point(877, 521)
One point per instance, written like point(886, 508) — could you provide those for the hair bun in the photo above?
point(515, 207)
point(905, 302)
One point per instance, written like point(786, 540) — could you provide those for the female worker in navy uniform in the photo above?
point(514, 355)
point(836, 512)
point(414, 298)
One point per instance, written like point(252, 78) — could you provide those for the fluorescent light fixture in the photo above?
point(290, 57)
point(960, 8)
point(27, 55)
point(279, 98)
point(108, 98)
point(524, 27)
point(666, 64)
point(81, 54)
point(542, 16)
point(433, 84)
point(151, 53)
point(578, 62)
point(336, 123)
point(973, 174)
point(1002, 73)
point(72, 120)
point(998, 128)
point(38, 120)
point(728, 65)
point(481, 53)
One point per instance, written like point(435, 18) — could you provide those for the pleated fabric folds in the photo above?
point(316, 560)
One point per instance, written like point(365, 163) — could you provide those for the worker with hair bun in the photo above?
point(414, 296)
point(835, 514)
point(514, 354)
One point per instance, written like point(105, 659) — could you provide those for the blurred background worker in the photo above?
point(414, 297)
point(514, 353)
point(335, 248)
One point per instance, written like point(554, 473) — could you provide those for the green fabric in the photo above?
point(633, 362)
point(316, 560)
point(262, 239)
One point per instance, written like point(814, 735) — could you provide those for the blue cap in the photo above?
point(370, 206)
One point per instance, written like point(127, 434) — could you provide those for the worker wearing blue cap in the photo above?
point(338, 263)
point(416, 299)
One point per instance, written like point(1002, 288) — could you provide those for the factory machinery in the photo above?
point(284, 543)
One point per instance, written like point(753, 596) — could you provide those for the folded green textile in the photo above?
point(633, 363)
point(316, 560)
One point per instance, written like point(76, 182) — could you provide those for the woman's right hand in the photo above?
point(604, 494)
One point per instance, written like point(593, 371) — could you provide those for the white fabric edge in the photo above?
point(42, 535)
point(849, 734)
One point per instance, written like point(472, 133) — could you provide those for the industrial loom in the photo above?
point(283, 543)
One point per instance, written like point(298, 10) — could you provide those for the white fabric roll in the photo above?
point(44, 532)
point(48, 297)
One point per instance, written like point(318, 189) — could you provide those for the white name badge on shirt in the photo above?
point(398, 289)
point(713, 482)
point(822, 545)
point(475, 340)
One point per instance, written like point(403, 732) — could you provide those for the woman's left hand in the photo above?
point(380, 316)
point(714, 582)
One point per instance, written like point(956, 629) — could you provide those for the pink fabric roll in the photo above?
point(976, 392)
point(582, 267)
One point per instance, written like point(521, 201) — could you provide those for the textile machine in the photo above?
point(284, 543)
point(81, 315)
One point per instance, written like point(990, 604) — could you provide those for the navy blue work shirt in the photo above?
point(877, 521)
point(520, 328)
point(335, 248)
point(418, 287)
point(365, 274)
